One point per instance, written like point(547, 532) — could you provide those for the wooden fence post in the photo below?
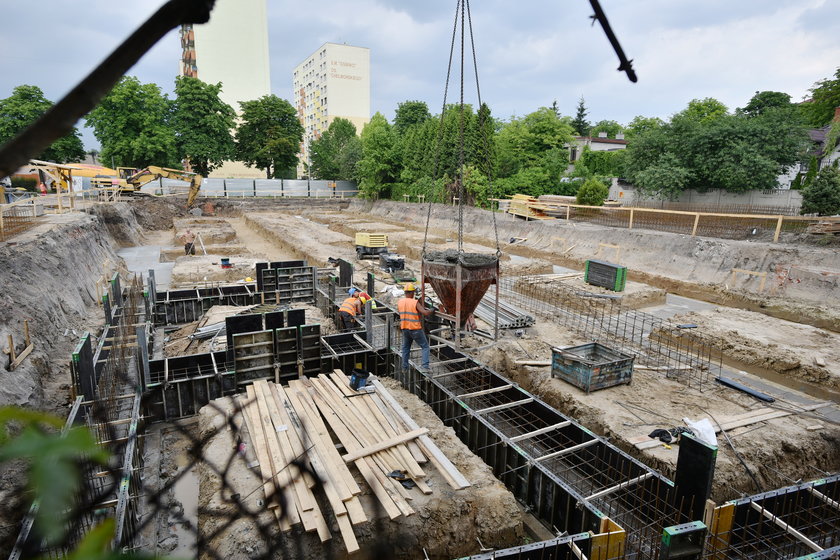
point(696, 221)
point(778, 230)
point(631, 220)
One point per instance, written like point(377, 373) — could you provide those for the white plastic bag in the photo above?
point(703, 429)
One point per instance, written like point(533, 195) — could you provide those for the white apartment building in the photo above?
point(231, 48)
point(334, 81)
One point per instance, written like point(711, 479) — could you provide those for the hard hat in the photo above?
point(351, 291)
point(409, 287)
point(249, 279)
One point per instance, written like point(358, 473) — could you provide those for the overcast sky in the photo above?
point(530, 52)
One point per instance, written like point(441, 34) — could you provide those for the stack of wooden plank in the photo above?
point(527, 207)
point(824, 226)
point(299, 423)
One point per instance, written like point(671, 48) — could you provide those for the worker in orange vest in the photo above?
point(349, 308)
point(411, 311)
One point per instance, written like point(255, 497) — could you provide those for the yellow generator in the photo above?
point(371, 245)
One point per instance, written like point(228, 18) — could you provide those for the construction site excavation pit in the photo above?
point(795, 437)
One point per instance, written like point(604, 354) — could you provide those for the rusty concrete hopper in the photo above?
point(477, 272)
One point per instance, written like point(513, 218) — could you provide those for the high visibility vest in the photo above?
point(349, 305)
point(409, 316)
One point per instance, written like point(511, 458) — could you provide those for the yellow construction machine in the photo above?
point(153, 172)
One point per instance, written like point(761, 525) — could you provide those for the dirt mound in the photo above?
point(121, 222)
point(154, 213)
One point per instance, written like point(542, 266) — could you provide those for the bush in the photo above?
point(592, 193)
point(822, 196)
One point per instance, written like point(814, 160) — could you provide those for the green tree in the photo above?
point(640, 125)
point(269, 135)
point(702, 110)
point(326, 151)
point(607, 164)
point(579, 123)
point(25, 106)
point(825, 97)
point(132, 123)
point(410, 114)
point(764, 101)
point(610, 127)
point(592, 193)
point(378, 169)
point(202, 124)
point(705, 148)
point(822, 197)
point(811, 174)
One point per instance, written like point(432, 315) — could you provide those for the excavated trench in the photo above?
point(82, 247)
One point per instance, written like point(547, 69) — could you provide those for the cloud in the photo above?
point(529, 54)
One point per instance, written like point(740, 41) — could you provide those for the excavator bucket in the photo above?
point(478, 272)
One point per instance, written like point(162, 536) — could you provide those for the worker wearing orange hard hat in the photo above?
point(411, 325)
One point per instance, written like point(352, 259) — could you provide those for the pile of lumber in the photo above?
point(527, 207)
point(824, 226)
point(300, 422)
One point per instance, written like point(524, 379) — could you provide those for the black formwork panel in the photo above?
point(237, 324)
point(552, 549)
point(184, 306)
point(286, 352)
point(180, 386)
point(529, 482)
point(310, 348)
point(809, 508)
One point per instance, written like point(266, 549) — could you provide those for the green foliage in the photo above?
point(25, 106)
point(796, 184)
point(705, 148)
point(601, 163)
point(579, 124)
point(592, 193)
point(202, 123)
point(269, 135)
point(132, 123)
point(378, 168)
point(335, 153)
point(822, 197)
point(640, 125)
point(702, 110)
point(666, 178)
point(764, 101)
point(825, 97)
point(54, 473)
point(811, 174)
point(610, 127)
point(477, 187)
point(24, 183)
point(410, 114)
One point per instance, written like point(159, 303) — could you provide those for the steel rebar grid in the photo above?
point(659, 343)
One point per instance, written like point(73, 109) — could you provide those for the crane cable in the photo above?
point(462, 11)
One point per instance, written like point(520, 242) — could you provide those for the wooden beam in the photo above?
point(504, 406)
point(20, 357)
point(787, 528)
point(382, 445)
point(541, 431)
point(823, 497)
point(566, 451)
point(620, 486)
point(441, 461)
point(485, 392)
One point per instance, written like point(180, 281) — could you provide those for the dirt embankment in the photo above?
point(790, 349)
point(786, 280)
point(447, 523)
point(49, 278)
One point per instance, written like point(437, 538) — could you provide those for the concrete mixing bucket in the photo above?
point(477, 273)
